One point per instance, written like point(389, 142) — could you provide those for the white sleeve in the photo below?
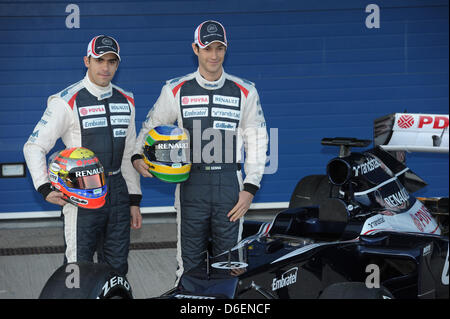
point(56, 119)
point(130, 175)
point(255, 137)
point(164, 112)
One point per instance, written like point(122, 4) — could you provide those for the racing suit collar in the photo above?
point(99, 92)
point(210, 85)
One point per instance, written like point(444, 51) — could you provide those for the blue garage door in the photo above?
point(320, 71)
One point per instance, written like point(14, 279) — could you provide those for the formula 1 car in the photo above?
point(356, 232)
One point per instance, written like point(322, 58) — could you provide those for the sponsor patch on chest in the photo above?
point(120, 132)
point(195, 112)
point(223, 125)
point(95, 122)
point(91, 110)
point(120, 120)
point(227, 113)
point(226, 100)
point(195, 100)
point(119, 108)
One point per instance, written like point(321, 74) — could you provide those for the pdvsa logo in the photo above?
point(433, 122)
point(195, 100)
point(90, 110)
point(405, 121)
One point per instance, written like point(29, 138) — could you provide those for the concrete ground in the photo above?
point(30, 251)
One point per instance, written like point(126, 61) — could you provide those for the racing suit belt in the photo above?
point(216, 167)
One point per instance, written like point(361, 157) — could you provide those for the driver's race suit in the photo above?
point(102, 120)
point(221, 117)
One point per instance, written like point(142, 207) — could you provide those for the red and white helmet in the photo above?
point(79, 175)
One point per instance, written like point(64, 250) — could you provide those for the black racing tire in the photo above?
point(86, 280)
point(312, 190)
point(354, 290)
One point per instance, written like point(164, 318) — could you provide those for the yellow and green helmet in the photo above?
point(166, 152)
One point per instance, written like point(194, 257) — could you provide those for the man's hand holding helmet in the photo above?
point(56, 197)
point(165, 156)
point(142, 168)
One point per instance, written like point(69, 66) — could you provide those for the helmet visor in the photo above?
point(167, 152)
point(75, 180)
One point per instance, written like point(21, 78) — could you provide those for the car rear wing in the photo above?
point(412, 132)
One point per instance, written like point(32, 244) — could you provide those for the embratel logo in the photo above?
point(195, 112)
point(222, 125)
point(95, 122)
point(405, 121)
point(289, 277)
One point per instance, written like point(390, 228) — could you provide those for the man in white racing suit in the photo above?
point(221, 113)
point(98, 115)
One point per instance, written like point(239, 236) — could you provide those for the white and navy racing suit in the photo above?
point(221, 117)
point(101, 119)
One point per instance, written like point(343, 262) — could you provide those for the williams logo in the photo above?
point(289, 277)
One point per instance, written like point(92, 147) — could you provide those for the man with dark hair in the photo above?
point(222, 113)
point(98, 115)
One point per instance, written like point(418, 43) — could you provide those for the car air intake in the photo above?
point(339, 171)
